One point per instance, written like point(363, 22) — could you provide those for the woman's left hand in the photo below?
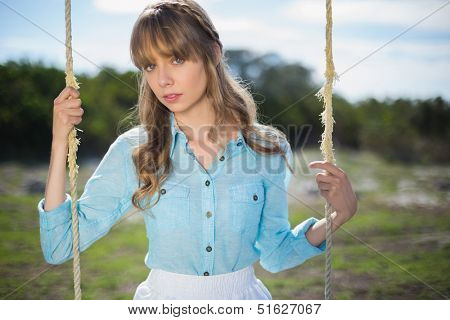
point(336, 188)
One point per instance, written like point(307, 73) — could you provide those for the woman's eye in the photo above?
point(149, 67)
point(179, 60)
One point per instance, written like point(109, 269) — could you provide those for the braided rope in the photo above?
point(72, 158)
point(326, 146)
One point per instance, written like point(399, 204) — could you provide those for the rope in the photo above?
point(73, 143)
point(326, 146)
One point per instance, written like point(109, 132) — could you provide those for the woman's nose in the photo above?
point(164, 77)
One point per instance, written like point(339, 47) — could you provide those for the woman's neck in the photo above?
point(195, 127)
point(196, 130)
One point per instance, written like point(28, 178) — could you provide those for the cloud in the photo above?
point(409, 66)
point(32, 47)
point(406, 68)
point(401, 13)
point(391, 77)
point(120, 6)
point(131, 6)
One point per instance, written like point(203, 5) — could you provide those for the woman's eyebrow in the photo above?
point(163, 56)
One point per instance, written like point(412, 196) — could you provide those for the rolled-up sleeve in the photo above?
point(105, 199)
point(280, 247)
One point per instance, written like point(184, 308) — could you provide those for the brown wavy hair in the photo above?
point(184, 29)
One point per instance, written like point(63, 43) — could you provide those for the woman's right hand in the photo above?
point(67, 112)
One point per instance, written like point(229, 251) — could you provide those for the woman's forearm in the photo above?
point(55, 188)
point(317, 232)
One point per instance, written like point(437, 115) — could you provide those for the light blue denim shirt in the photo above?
point(207, 222)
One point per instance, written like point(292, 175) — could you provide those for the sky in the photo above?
point(381, 48)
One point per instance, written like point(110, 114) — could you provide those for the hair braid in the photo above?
point(193, 10)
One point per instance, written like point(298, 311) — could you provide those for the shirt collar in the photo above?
point(174, 129)
point(237, 143)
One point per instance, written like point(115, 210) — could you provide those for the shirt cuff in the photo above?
point(57, 216)
point(304, 247)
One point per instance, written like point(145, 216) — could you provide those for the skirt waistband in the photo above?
point(238, 280)
point(237, 285)
point(234, 284)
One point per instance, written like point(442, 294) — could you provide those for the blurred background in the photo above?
point(391, 136)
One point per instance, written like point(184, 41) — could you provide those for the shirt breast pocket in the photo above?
point(172, 209)
point(247, 204)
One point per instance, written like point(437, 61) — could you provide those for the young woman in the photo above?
point(209, 179)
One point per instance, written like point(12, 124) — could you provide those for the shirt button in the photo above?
point(255, 197)
point(222, 158)
point(206, 273)
point(207, 182)
point(209, 214)
point(208, 248)
point(239, 144)
point(163, 191)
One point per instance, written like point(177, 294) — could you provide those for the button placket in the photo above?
point(233, 149)
point(219, 163)
point(208, 206)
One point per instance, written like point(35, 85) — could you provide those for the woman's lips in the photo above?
point(172, 97)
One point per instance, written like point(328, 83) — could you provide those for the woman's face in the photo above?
point(171, 75)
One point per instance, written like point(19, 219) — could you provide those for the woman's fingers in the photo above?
point(75, 112)
point(327, 178)
point(67, 112)
point(75, 120)
point(324, 186)
point(71, 103)
point(325, 165)
point(66, 93)
point(71, 120)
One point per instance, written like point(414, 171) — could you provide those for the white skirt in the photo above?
point(238, 285)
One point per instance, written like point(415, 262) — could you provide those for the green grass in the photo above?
point(387, 251)
point(379, 254)
point(111, 268)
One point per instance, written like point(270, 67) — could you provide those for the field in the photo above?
point(396, 247)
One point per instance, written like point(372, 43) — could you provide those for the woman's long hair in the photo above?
point(184, 29)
